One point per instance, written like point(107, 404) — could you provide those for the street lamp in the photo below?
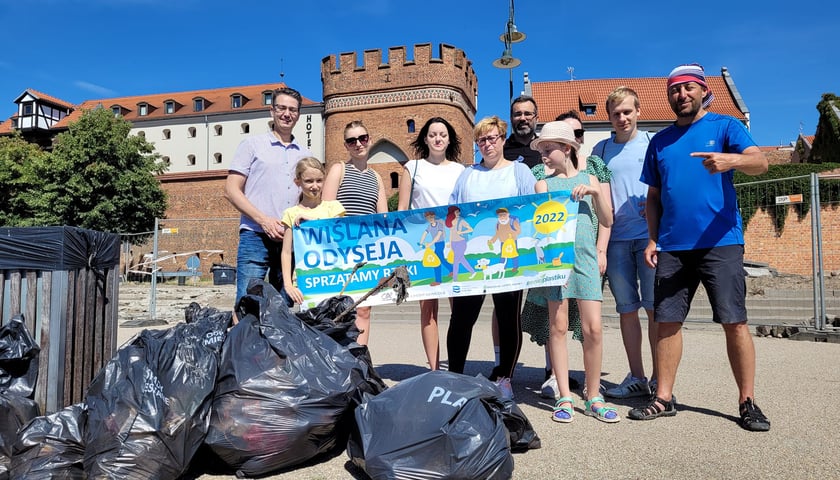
point(511, 36)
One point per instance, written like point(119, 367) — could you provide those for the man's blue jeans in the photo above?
point(257, 256)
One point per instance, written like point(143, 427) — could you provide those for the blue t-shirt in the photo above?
point(699, 210)
point(625, 161)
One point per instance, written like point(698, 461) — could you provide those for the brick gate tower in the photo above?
point(394, 97)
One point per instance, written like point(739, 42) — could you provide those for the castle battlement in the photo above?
point(450, 70)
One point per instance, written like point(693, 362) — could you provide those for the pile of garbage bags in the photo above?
point(274, 391)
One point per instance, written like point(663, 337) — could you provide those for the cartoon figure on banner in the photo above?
point(507, 230)
point(433, 255)
point(459, 231)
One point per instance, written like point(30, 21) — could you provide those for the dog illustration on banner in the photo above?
point(483, 265)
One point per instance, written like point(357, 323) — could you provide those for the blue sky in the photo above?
point(782, 55)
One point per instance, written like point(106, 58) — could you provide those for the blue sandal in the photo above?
point(563, 414)
point(604, 414)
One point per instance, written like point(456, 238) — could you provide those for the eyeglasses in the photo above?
point(283, 108)
point(579, 132)
point(363, 139)
point(481, 141)
point(524, 114)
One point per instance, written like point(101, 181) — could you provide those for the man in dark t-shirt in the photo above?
point(523, 127)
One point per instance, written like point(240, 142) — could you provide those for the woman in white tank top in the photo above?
point(426, 183)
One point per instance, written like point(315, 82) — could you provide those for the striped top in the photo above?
point(359, 190)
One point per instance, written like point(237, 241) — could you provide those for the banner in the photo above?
point(466, 249)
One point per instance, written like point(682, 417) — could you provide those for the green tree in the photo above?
point(16, 156)
point(98, 177)
point(826, 148)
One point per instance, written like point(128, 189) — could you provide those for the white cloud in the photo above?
point(97, 89)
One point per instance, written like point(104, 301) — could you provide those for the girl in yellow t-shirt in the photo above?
point(309, 176)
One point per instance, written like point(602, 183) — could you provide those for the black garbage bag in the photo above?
point(323, 316)
point(15, 412)
point(344, 331)
point(522, 435)
point(18, 374)
point(18, 358)
point(51, 447)
point(148, 409)
point(286, 391)
point(433, 426)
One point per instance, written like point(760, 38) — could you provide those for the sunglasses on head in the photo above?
point(579, 132)
point(363, 139)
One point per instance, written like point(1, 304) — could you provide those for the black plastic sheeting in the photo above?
point(57, 248)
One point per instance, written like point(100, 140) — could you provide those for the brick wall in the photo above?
point(199, 218)
point(791, 252)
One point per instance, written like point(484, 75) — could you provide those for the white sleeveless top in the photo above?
point(432, 183)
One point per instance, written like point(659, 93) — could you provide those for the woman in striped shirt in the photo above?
point(360, 190)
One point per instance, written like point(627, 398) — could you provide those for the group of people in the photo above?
point(657, 216)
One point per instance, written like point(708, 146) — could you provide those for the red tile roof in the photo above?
point(6, 125)
point(554, 98)
point(44, 96)
point(217, 100)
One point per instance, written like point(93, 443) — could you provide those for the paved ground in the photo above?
point(798, 387)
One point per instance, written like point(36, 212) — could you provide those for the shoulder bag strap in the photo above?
point(411, 192)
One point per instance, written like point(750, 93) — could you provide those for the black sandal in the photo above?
point(656, 408)
point(752, 418)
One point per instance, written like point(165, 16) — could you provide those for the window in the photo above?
point(166, 161)
point(191, 132)
point(589, 109)
point(143, 110)
point(167, 134)
point(14, 123)
point(141, 134)
point(27, 108)
point(198, 105)
point(268, 98)
point(191, 159)
point(395, 180)
point(218, 129)
point(410, 125)
point(245, 128)
point(217, 157)
point(236, 101)
point(169, 107)
point(117, 110)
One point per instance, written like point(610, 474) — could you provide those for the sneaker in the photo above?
point(506, 388)
point(630, 387)
point(752, 418)
point(549, 388)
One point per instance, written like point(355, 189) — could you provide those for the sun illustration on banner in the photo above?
point(550, 216)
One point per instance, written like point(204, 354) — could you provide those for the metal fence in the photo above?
point(802, 197)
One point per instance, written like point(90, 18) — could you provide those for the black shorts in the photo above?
point(721, 269)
